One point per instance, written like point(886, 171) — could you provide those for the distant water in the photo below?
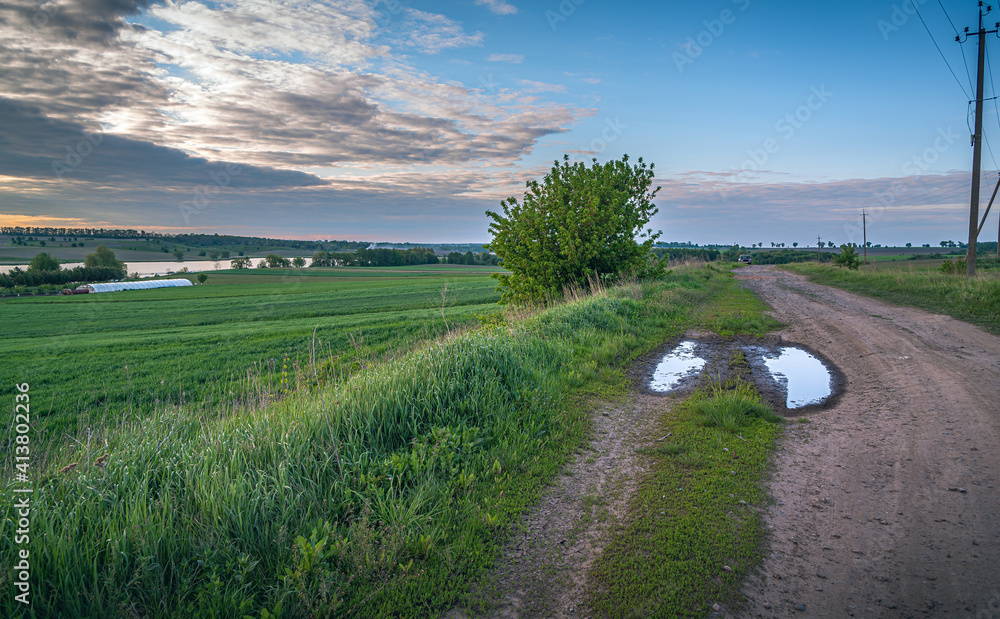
point(151, 269)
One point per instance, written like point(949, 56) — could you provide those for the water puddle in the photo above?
point(676, 365)
point(805, 379)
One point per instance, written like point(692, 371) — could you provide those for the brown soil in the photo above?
point(887, 502)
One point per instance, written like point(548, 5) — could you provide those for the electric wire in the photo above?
point(938, 48)
point(964, 61)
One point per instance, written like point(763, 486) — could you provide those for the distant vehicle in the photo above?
point(746, 258)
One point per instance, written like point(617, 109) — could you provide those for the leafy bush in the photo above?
point(848, 257)
point(575, 226)
point(956, 267)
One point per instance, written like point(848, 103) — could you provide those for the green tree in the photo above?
point(202, 278)
point(240, 263)
point(580, 222)
point(103, 257)
point(299, 262)
point(274, 261)
point(179, 254)
point(848, 257)
point(43, 262)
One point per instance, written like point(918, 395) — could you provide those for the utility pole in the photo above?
point(864, 233)
point(977, 139)
point(819, 244)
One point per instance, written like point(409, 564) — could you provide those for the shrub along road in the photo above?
point(886, 502)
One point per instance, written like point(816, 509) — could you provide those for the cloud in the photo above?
point(533, 86)
point(280, 84)
point(89, 21)
point(432, 33)
point(512, 58)
point(500, 7)
point(898, 209)
point(35, 146)
point(117, 110)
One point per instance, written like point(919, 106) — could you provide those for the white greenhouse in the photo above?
point(146, 285)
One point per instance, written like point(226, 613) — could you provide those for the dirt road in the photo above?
point(888, 502)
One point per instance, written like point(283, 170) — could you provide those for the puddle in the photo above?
point(676, 365)
point(806, 379)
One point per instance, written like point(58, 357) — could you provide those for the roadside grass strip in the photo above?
point(975, 300)
point(696, 526)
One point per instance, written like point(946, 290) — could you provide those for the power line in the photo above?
point(993, 91)
point(948, 64)
point(964, 61)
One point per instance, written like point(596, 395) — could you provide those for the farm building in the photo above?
point(114, 287)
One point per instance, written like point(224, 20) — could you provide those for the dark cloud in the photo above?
point(86, 21)
point(35, 146)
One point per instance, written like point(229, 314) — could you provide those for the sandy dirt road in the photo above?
point(887, 503)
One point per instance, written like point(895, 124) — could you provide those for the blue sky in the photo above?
point(406, 120)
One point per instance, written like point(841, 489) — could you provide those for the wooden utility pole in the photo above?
point(977, 139)
point(864, 233)
point(819, 244)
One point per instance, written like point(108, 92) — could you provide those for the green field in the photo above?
point(99, 357)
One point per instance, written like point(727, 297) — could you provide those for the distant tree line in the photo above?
point(17, 277)
point(375, 258)
point(780, 256)
point(202, 240)
point(481, 258)
point(99, 266)
point(786, 256)
point(677, 254)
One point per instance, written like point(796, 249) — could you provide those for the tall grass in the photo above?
point(731, 407)
point(252, 514)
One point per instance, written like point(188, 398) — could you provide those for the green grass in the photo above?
point(381, 491)
point(695, 514)
point(916, 284)
point(108, 356)
point(734, 309)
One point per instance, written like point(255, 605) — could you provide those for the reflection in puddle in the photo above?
point(676, 365)
point(804, 377)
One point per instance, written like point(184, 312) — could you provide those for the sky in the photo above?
point(405, 121)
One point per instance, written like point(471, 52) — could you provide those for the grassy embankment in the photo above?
point(696, 527)
point(382, 492)
point(917, 284)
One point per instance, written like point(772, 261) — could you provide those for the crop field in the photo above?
point(244, 336)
